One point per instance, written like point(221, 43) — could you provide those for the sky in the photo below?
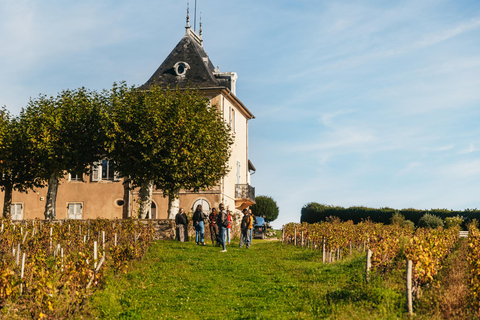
point(356, 103)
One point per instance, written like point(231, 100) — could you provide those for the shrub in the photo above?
point(397, 218)
point(409, 224)
point(430, 221)
point(453, 221)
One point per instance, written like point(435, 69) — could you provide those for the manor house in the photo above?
point(103, 194)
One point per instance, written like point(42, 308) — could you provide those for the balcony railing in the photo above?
point(244, 191)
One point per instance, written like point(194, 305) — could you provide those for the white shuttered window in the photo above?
point(75, 210)
point(16, 210)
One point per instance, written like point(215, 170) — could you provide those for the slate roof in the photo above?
point(201, 73)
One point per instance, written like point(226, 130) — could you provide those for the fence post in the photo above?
point(22, 272)
point(283, 234)
point(103, 242)
point(302, 239)
point(295, 236)
point(369, 265)
point(95, 255)
point(409, 288)
point(323, 249)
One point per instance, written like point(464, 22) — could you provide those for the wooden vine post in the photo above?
point(295, 236)
point(323, 249)
point(409, 287)
point(369, 265)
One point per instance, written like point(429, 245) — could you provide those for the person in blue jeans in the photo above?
point(245, 234)
point(251, 228)
point(222, 223)
point(198, 223)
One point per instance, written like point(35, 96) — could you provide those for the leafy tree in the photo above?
point(168, 140)
point(313, 212)
point(15, 160)
point(68, 135)
point(451, 222)
point(430, 221)
point(265, 206)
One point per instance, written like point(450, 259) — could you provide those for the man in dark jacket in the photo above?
point(181, 221)
point(222, 223)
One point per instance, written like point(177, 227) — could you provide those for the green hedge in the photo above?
point(314, 212)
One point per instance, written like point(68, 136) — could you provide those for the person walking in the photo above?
point(198, 222)
point(244, 229)
point(229, 227)
point(181, 221)
point(222, 223)
point(212, 218)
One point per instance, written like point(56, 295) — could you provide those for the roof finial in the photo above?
point(188, 15)
point(200, 31)
point(195, 18)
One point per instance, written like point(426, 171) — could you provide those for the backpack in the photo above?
point(244, 224)
point(222, 219)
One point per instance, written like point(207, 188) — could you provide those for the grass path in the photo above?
point(268, 281)
point(447, 297)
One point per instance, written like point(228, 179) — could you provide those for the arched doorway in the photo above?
point(152, 214)
point(204, 203)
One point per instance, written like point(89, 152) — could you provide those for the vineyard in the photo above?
point(387, 244)
point(48, 269)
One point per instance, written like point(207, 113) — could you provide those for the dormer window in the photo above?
point(181, 68)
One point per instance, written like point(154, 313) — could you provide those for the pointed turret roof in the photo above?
point(188, 65)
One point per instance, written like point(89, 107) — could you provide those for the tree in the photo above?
point(16, 162)
point(265, 206)
point(68, 135)
point(168, 140)
point(313, 212)
point(430, 221)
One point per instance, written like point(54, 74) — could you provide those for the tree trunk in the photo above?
point(173, 204)
point(51, 197)
point(7, 202)
point(145, 194)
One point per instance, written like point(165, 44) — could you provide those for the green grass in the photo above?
point(268, 281)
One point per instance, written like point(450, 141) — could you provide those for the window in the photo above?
point(16, 210)
point(75, 176)
point(232, 121)
point(238, 172)
point(107, 172)
point(204, 203)
point(103, 171)
point(75, 210)
point(181, 68)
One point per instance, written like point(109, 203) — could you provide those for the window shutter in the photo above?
point(97, 171)
point(78, 214)
point(71, 214)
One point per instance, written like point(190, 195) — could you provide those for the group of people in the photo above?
point(220, 224)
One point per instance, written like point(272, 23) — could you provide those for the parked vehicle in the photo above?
point(259, 228)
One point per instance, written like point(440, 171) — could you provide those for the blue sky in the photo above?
point(373, 103)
